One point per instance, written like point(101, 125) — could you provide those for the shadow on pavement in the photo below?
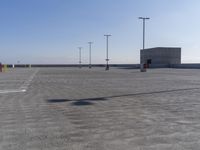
point(77, 102)
point(57, 100)
point(82, 103)
point(93, 99)
point(89, 101)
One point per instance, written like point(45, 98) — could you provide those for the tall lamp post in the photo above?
point(107, 59)
point(143, 19)
point(80, 48)
point(90, 57)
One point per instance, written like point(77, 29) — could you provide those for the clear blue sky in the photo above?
point(49, 31)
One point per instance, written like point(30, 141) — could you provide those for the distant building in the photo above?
point(161, 56)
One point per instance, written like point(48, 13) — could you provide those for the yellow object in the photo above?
point(5, 68)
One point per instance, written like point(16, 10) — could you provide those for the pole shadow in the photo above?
point(90, 101)
point(58, 100)
point(78, 102)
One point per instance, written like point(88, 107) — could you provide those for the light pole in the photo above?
point(107, 36)
point(90, 57)
point(143, 69)
point(144, 19)
point(80, 56)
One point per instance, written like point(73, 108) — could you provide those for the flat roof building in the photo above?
point(161, 56)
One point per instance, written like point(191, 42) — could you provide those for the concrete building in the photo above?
point(161, 56)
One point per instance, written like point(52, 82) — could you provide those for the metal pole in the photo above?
point(107, 53)
point(107, 59)
point(144, 19)
point(80, 57)
point(143, 34)
point(90, 56)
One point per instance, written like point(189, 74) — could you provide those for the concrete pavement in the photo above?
point(91, 109)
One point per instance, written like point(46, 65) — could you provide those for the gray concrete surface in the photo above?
point(82, 109)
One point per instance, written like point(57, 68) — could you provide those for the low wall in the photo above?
point(122, 66)
point(133, 66)
point(186, 66)
point(159, 66)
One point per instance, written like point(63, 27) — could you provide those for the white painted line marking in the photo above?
point(24, 90)
point(12, 91)
point(24, 86)
point(28, 82)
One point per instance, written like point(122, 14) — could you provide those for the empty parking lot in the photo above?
point(94, 109)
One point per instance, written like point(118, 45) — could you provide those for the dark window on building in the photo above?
point(148, 61)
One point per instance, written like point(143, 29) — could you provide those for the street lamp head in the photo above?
point(143, 18)
point(107, 35)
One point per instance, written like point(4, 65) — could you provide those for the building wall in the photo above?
point(161, 55)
